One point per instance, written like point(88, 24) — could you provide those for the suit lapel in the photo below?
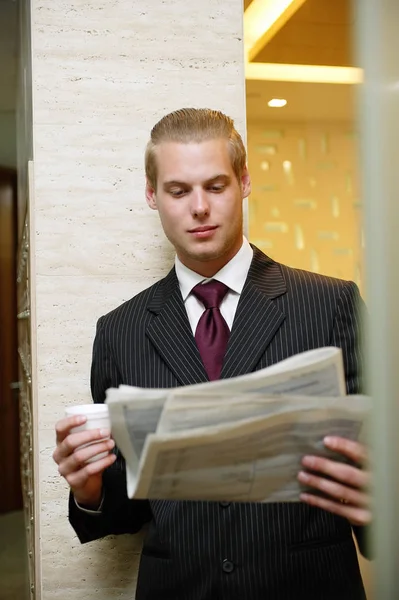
point(170, 333)
point(257, 318)
point(256, 323)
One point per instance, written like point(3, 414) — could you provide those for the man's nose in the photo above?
point(199, 204)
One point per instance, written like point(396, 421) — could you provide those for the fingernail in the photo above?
point(302, 476)
point(329, 441)
point(105, 432)
point(308, 461)
point(111, 443)
point(81, 419)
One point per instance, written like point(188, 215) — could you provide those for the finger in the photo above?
point(79, 458)
point(347, 474)
point(356, 516)
point(336, 490)
point(353, 450)
point(63, 427)
point(78, 479)
point(74, 440)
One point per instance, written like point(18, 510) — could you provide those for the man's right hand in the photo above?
point(84, 479)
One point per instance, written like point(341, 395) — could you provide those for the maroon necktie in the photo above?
point(212, 331)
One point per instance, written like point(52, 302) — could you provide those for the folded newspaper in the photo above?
point(240, 439)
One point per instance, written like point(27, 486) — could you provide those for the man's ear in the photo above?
point(150, 195)
point(245, 183)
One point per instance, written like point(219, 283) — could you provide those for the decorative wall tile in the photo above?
point(267, 188)
point(325, 165)
point(276, 227)
point(275, 212)
point(328, 235)
point(270, 149)
point(325, 143)
point(343, 251)
point(299, 238)
point(263, 244)
point(287, 168)
point(305, 203)
point(349, 183)
point(314, 261)
point(273, 134)
point(302, 148)
point(335, 209)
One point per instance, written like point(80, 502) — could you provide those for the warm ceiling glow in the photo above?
point(277, 102)
point(303, 73)
point(263, 19)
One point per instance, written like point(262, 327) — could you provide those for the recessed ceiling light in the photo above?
point(277, 102)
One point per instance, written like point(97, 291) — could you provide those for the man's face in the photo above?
point(200, 202)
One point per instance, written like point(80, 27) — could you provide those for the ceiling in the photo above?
point(320, 32)
point(305, 101)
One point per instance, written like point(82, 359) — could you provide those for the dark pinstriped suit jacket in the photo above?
point(204, 551)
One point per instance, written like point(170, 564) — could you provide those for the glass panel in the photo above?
point(302, 82)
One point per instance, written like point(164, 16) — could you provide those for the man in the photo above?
point(196, 178)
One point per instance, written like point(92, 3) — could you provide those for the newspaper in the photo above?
point(240, 439)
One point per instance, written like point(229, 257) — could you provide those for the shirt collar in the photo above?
point(233, 274)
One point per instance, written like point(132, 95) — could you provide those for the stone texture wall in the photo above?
point(103, 72)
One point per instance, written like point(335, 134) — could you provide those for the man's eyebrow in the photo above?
point(219, 177)
point(173, 182)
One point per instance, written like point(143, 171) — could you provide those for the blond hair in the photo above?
point(197, 125)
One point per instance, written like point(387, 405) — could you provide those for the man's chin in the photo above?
point(205, 253)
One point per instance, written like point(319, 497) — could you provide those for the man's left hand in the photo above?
point(347, 491)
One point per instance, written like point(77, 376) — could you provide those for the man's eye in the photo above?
point(217, 188)
point(177, 193)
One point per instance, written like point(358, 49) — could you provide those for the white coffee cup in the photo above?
point(97, 417)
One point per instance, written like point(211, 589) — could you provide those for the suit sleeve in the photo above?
point(118, 514)
point(347, 334)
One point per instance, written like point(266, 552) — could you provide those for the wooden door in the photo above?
point(10, 480)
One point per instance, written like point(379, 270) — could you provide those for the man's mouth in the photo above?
point(202, 229)
point(203, 232)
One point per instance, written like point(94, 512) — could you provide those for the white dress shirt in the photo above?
point(234, 275)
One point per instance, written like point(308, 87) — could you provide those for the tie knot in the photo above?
point(210, 294)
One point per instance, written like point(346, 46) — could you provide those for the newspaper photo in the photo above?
point(240, 439)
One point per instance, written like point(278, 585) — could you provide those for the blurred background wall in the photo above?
point(304, 207)
point(301, 90)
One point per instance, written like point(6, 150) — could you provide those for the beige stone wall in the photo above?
point(103, 72)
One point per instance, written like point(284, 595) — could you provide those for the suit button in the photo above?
point(224, 504)
point(227, 566)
